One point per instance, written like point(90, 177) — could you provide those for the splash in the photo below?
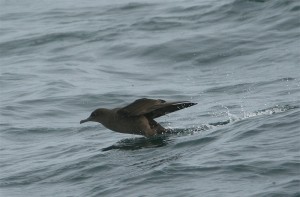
point(268, 111)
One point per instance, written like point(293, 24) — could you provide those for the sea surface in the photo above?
point(238, 59)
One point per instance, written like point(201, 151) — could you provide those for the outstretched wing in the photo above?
point(152, 108)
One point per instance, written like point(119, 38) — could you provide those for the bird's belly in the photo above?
point(132, 125)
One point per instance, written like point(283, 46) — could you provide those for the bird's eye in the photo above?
point(93, 114)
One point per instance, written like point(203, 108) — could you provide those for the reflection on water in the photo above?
point(156, 141)
point(140, 142)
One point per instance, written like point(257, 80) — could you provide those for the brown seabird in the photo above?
point(137, 117)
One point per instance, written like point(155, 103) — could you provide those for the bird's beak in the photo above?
point(85, 120)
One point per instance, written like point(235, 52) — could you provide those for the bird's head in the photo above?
point(96, 116)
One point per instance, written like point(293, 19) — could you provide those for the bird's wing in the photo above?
point(152, 108)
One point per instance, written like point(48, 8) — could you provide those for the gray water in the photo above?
point(238, 59)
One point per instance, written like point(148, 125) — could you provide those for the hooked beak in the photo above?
point(85, 120)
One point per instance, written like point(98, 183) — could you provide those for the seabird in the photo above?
point(137, 117)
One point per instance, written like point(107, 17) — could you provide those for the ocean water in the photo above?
point(238, 59)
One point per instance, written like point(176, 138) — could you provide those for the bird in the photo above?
point(137, 117)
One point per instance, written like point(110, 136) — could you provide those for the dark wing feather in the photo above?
point(167, 108)
point(140, 107)
point(153, 108)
